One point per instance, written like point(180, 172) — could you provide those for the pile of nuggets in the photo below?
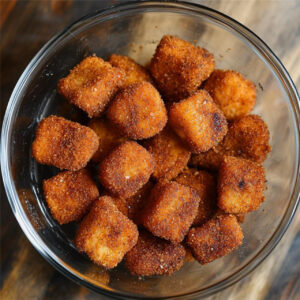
point(177, 154)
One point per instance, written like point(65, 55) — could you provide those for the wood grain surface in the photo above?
point(25, 27)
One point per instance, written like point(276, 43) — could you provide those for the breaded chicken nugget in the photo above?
point(154, 256)
point(216, 238)
point(132, 206)
point(170, 211)
point(105, 234)
point(134, 72)
point(109, 137)
point(64, 144)
point(138, 111)
point(91, 85)
point(179, 67)
point(69, 195)
point(126, 169)
point(234, 94)
point(247, 137)
point(198, 121)
point(169, 153)
point(241, 185)
point(206, 187)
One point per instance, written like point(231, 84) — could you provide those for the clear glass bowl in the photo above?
point(135, 30)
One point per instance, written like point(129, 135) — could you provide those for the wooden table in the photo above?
point(25, 27)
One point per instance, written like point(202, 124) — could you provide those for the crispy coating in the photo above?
point(126, 169)
point(134, 72)
point(198, 121)
point(69, 195)
point(188, 255)
point(109, 137)
point(235, 95)
point(105, 234)
point(138, 111)
point(169, 153)
point(179, 67)
point(91, 85)
point(241, 185)
point(206, 187)
point(64, 144)
point(170, 211)
point(154, 256)
point(216, 238)
point(132, 206)
point(247, 137)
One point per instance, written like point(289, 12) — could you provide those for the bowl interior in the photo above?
point(136, 32)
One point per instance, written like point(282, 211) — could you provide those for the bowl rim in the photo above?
point(11, 193)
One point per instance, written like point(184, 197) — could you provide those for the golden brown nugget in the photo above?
point(179, 67)
point(247, 137)
point(206, 187)
point(169, 153)
point(64, 144)
point(138, 111)
point(235, 95)
point(170, 211)
point(105, 234)
point(109, 137)
point(241, 185)
point(126, 169)
point(91, 85)
point(69, 195)
point(239, 217)
point(154, 256)
point(134, 72)
point(216, 238)
point(198, 121)
point(188, 255)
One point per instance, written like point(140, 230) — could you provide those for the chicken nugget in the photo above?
point(138, 111)
point(154, 256)
point(234, 94)
point(241, 185)
point(198, 121)
point(69, 195)
point(179, 67)
point(126, 169)
point(169, 153)
point(216, 238)
point(206, 187)
point(134, 72)
point(91, 85)
point(105, 234)
point(170, 211)
point(247, 137)
point(64, 144)
point(109, 137)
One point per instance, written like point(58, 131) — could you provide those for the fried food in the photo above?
point(216, 238)
point(241, 185)
point(234, 94)
point(91, 85)
point(64, 144)
point(247, 137)
point(170, 211)
point(154, 256)
point(126, 169)
point(105, 234)
point(109, 137)
point(69, 195)
point(198, 121)
point(179, 67)
point(138, 111)
point(134, 72)
point(206, 186)
point(132, 206)
point(169, 153)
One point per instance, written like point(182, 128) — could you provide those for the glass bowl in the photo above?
point(134, 30)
